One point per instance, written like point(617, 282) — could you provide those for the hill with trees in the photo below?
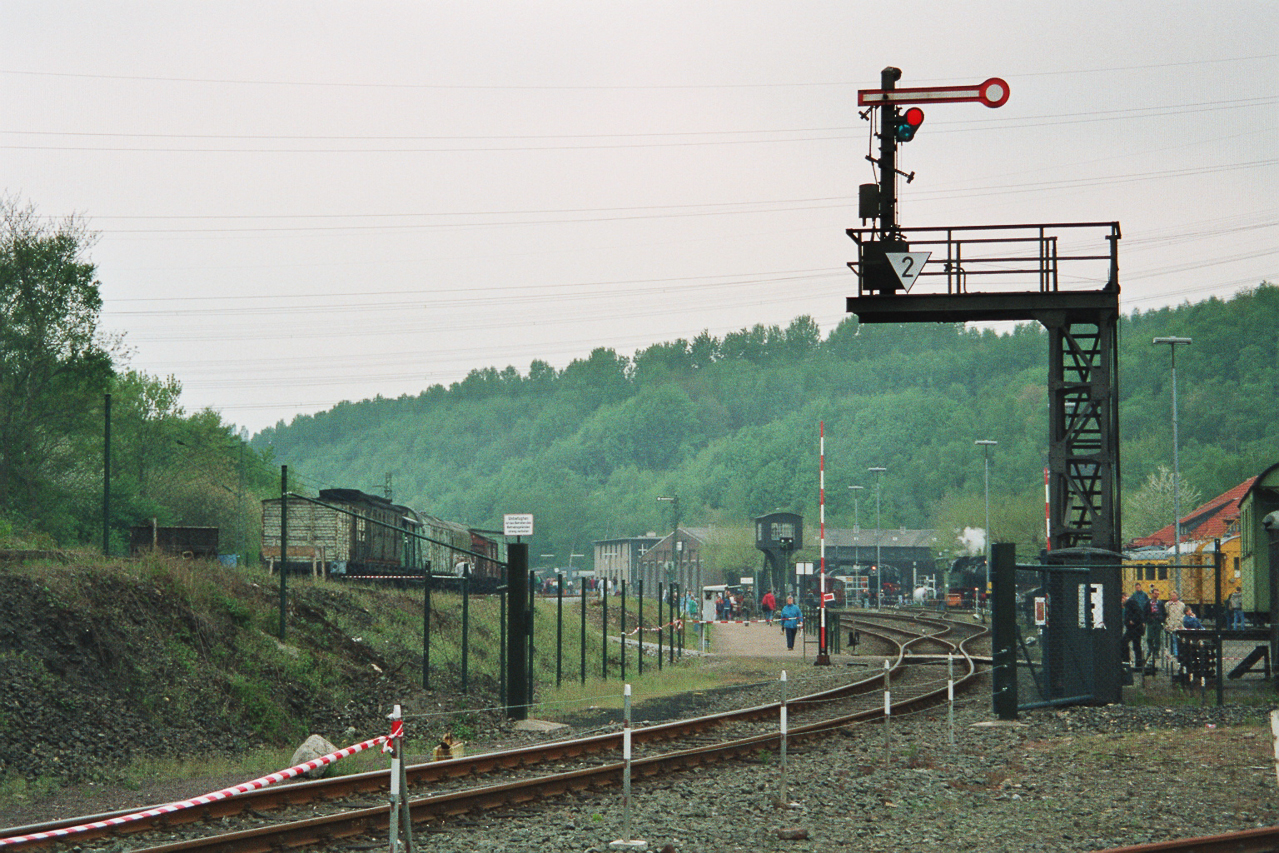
point(731, 426)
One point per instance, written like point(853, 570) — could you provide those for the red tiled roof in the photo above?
point(1208, 521)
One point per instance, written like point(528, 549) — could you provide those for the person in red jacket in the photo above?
point(769, 604)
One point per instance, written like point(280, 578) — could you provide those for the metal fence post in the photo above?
point(639, 633)
point(559, 626)
point(426, 627)
point(661, 596)
point(517, 630)
point(501, 655)
point(466, 630)
point(1004, 630)
point(1218, 561)
point(532, 623)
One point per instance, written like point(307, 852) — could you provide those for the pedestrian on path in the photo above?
point(1235, 603)
point(769, 603)
point(1156, 614)
point(792, 620)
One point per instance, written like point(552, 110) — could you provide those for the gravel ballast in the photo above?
point(1074, 779)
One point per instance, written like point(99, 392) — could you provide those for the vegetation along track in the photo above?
point(347, 806)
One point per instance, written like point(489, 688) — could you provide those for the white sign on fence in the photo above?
point(518, 524)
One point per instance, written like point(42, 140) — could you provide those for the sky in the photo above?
point(300, 203)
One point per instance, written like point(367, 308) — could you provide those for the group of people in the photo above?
point(730, 606)
point(1150, 617)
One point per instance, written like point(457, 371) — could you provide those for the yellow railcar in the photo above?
point(1156, 568)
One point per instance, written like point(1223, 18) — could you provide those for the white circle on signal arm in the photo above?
point(994, 92)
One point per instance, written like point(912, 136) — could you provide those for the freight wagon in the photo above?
point(351, 534)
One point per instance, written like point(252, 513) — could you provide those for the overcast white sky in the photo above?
point(306, 202)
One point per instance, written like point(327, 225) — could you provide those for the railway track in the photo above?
point(1265, 840)
point(348, 806)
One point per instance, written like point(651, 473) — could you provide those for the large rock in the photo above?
point(312, 748)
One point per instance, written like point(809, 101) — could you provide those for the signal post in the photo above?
point(962, 274)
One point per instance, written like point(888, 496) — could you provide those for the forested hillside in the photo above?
point(731, 426)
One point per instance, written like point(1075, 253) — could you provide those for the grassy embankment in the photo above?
point(185, 645)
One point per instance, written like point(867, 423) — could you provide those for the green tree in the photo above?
point(730, 555)
point(1151, 508)
point(54, 363)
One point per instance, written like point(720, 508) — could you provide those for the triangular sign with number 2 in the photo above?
point(907, 265)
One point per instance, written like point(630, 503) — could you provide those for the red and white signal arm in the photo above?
point(828, 596)
point(993, 93)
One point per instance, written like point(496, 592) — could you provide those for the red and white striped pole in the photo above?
point(1048, 524)
point(823, 656)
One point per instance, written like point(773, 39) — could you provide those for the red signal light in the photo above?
point(907, 123)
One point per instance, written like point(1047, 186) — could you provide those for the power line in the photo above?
point(590, 87)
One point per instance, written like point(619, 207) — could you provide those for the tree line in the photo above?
point(730, 425)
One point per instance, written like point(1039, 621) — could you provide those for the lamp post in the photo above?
point(879, 567)
point(857, 529)
point(1172, 343)
point(986, 444)
point(673, 500)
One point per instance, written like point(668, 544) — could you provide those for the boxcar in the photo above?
point(356, 533)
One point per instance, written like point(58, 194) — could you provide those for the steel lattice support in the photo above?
point(1083, 450)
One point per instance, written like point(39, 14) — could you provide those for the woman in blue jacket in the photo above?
point(792, 620)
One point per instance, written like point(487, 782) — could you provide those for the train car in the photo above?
point(487, 569)
point(1261, 499)
point(1157, 568)
point(352, 534)
point(446, 550)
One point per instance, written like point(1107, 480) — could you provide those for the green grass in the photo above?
point(193, 637)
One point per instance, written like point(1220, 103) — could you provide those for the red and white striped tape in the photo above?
point(397, 731)
point(205, 799)
point(680, 622)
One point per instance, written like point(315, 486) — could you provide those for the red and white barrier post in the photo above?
point(399, 820)
point(950, 694)
point(626, 842)
point(782, 799)
point(888, 709)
